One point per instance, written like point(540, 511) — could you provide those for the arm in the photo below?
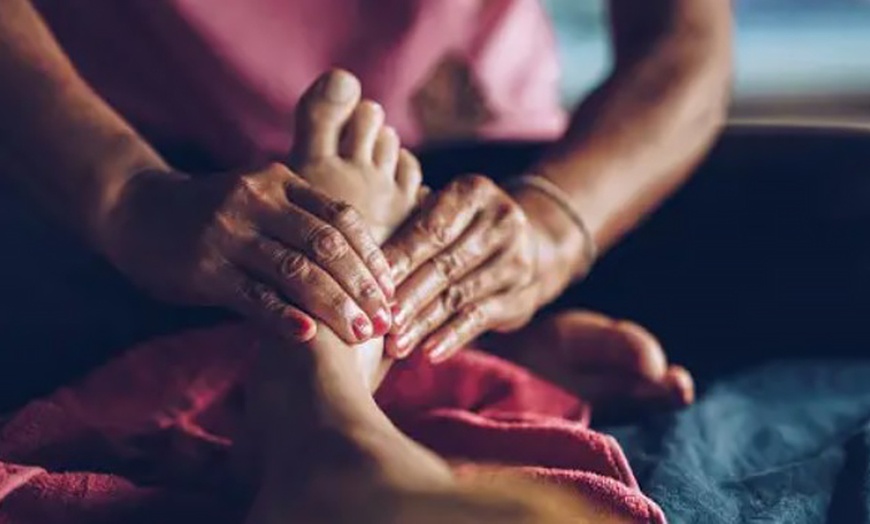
point(69, 148)
point(478, 259)
point(261, 243)
point(640, 134)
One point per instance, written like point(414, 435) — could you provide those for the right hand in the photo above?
point(264, 244)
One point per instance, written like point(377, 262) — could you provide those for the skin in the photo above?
point(278, 251)
point(478, 258)
point(362, 468)
point(262, 242)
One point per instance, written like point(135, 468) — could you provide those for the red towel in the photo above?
point(145, 438)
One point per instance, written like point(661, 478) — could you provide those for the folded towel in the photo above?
point(146, 437)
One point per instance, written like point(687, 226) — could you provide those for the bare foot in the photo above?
point(344, 149)
point(615, 364)
point(311, 415)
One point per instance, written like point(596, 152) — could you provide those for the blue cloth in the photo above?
point(787, 442)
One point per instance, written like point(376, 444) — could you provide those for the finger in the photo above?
point(441, 220)
point(351, 225)
point(466, 325)
point(483, 239)
point(491, 278)
point(262, 304)
point(307, 286)
point(329, 249)
point(433, 316)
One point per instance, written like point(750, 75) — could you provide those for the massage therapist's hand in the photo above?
point(471, 260)
point(263, 244)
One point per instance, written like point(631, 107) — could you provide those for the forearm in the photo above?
point(638, 136)
point(65, 145)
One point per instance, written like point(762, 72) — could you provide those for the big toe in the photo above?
point(593, 341)
point(322, 113)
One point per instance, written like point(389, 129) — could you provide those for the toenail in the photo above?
point(339, 87)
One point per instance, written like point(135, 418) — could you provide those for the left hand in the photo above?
point(471, 260)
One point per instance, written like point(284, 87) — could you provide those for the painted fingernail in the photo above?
point(362, 328)
point(382, 321)
point(403, 345)
point(303, 328)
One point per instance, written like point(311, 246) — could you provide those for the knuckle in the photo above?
point(375, 260)
point(344, 215)
point(367, 290)
point(327, 244)
point(293, 265)
point(398, 260)
point(456, 297)
point(224, 224)
point(277, 169)
point(429, 323)
point(251, 189)
point(447, 265)
point(474, 314)
point(435, 228)
point(258, 294)
point(475, 184)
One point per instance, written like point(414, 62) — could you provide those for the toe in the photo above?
point(409, 175)
point(362, 131)
point(323, 112)
point(681, 385)
point(386, 154)
point(593, 341)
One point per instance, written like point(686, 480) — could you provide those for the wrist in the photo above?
point(559, 244)
point(122, 166)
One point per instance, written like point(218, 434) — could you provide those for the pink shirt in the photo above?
point(225, 75)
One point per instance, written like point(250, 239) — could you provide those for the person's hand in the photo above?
point(471, 260)
point(264, 244)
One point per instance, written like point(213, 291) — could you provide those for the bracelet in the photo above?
point(561, 199)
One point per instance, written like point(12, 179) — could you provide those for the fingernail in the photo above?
point(403, 345)
point(339, 87)
point(382, 322)
point(303, 328)
point(362, 328)
point(436, 350)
